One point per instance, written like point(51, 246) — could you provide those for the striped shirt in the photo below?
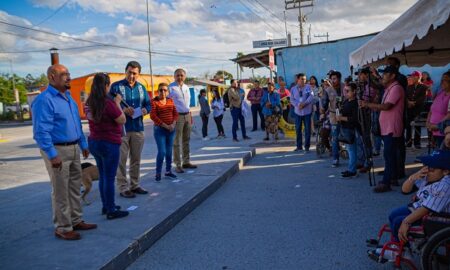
point(163, 113)
point(434, 196)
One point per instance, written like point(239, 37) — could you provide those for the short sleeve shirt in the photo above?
point(439, 109)
point(391, 121)
point(107, 128)
point(434, 196)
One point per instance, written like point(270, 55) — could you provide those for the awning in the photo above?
point(253, 60)
point(208, 82)
point(419, 36)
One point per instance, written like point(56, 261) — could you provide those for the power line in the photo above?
point(53, 14)
point(111, 45)
point(249, 9)
point(270, 11)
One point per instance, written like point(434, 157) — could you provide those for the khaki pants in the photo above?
point(66, 184)
point(182, 137)
point(132, 145)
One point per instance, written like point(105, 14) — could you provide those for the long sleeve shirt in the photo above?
point(416, 93)
point(218, 107)
point(136, 97)
point(273, 98)
point(204, 106)
point(302, 95)
point(163, 113)
point(234, 97)
point(255, 95)
point(56, 120)
point(350, 110)
point(181, 96)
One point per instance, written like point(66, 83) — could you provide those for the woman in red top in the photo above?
point(106, 120)
point(164, 115)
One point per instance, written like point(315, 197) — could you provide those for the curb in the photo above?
point(152, 235)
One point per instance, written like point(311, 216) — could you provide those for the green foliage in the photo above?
point(223, 73)
point(23, 85)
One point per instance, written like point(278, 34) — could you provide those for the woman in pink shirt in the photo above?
point(440, 109)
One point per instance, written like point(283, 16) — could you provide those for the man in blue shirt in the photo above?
point(57, 131)
point(302, 100)
point(136, 105)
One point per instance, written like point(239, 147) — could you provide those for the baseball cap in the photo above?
point(415, 74)
point(388, 69)
point(439, 159)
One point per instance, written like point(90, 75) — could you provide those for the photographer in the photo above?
point(391, 125)
point(335, 97)
point(270, 102)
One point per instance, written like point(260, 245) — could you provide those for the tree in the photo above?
point(6, 89)
point(223, 74)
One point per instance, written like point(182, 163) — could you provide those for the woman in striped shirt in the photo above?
point(164, 115)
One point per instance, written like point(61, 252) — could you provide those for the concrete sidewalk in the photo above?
point(27, 240)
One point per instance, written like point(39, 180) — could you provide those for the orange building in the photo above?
point(81, 86)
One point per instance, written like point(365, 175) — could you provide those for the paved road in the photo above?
point(282, 211)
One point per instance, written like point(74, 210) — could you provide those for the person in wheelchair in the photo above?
point(432, 183)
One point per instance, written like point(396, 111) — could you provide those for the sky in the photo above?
point(197, 35)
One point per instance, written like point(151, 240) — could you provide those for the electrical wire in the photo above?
point(251, 10)
point(53, 14)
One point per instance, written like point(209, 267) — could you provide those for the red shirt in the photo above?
point(106, 129)
point(163, 113)
point(285, 94)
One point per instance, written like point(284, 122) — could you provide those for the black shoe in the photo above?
point(266, 139)
point(247, 138)
point(253, 130)
point(417, 147)
point(189, 166)
point(127, 194)
point(348, 174)
point(117, 207)
point(170, 175)
point(117, 214)
point(376, 154)
point(235, 140)
point(344, 172)
point(139, 190)
point(157, 177)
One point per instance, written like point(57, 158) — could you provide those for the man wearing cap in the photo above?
point(415, 94)
point(391, 125)
point(254, 96)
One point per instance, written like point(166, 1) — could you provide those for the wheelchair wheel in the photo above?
point(436, 252)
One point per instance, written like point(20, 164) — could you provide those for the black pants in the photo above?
point(257, 109)
point(204, 124)
point(218, 121)
point(409, 131)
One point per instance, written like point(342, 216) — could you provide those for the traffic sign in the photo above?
point(270, 43)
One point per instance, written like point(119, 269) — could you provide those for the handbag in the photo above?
point(346, 135)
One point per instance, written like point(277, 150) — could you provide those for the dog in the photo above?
point(89, 173)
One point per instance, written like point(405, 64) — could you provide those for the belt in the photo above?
point(183, 113)
point(66, 143)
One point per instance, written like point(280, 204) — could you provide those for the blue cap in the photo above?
point(439, 159)
point(389, 69)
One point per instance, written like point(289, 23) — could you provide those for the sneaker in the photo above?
point(170, 175)
point(117, 207)
point(117, 214)
point(306, 150)
point(349, 174)
point(157, 177)
point(206, 138)
point(247, 138)
point(335, 163)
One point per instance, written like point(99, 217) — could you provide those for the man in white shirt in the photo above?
point(181, 96)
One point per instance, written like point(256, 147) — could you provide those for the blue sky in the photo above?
point(211, 31)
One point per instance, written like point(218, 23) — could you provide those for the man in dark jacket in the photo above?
point(415, 93)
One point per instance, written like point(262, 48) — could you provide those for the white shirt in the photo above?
point(434, 196)
point(181, 97)
point(218, 107)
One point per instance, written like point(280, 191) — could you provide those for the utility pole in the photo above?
point(323, 35)
point(149, 50)
point(16, 93)
point(293, 4)
point(309, 34)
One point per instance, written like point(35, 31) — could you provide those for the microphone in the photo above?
point(113, 95)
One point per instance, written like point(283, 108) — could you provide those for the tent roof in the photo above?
point(419, 36)
point(208, 82)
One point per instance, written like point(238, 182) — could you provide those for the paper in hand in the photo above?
point(137, 112)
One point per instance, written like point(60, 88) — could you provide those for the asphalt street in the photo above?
point(282, 211)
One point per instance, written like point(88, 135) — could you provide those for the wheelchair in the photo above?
point(428, 245)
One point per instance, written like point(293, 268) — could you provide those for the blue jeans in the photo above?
point(390, 155)
point(335, 129)
point(377, 143)
point(236, 114)
point(257, 110)
point(306, 120)
point(396, 218)
point(107, 156)
point(164, 142)
point(352, 153)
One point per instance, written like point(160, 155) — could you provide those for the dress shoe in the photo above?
point(380, 188)
point(82, 226)
point(189, 166)
point(247, 138)
point(72, 235)
point(117, 207)
point(139, 190)
point(178, 169)
point(127, 194)
point(117, 214)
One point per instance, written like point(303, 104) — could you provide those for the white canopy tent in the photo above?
point(419, 36)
